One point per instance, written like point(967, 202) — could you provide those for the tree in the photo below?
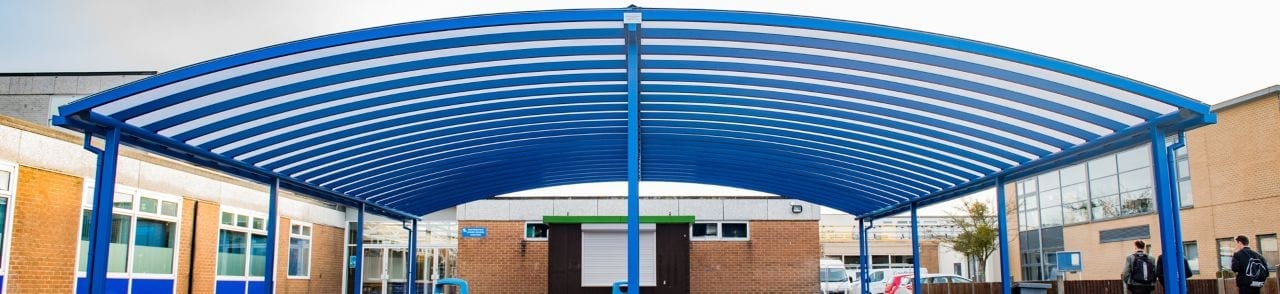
point(978, 234)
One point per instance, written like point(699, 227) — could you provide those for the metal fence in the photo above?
point(1207, 286)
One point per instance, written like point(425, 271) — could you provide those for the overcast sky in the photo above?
point(1207, 50)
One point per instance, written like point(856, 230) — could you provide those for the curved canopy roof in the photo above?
point(422, 116)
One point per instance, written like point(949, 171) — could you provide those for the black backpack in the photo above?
point(1256, 270)
point(1142, 270)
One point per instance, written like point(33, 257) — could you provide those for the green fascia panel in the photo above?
point(610, 219)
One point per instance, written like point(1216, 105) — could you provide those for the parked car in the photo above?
point(834, 277)
point(879, 278)
point(902, 284)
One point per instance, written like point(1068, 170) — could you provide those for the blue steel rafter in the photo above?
point(411, 118)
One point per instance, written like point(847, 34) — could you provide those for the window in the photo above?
point(1226, 246)
point(1193, 256)
point(242, 245)
point(8, 181)
point(1267, 247)
point(1182, 167)
point(143, 235)
point(299, 250)
point(536, 231)
point(719, 231)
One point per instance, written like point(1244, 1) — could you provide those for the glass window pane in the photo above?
point(396, 264)
point(1184, 169)
point(1033, 219)
point(734, 230)
point(4, 211)
point(258, 223)
point(1103, 166)
point(306, 230)
point(1051, 216)
point(169, 208)
point(1104, 186)
point(1226, 247)
point(1048, 180)
point(4, 180)
point(1073, 174)
point(1033, 202)
point(1074, 213)
point(1134, 180)
point(1027, 187)
point(1184, 193)
point(242, 221)
point(1267, 247)
point(228, 219)
point(1074, 193)
point(295, 229)
point(231, 253)
point(1134, 158)
point(123, 200)
point(258, 255)
point(118, 260)
point(705, 230)
point(1137, 202)
point(85, 216)
point(299, 257)
point(1106, 207)
point(1193, 256)
point(148, 205)
point(153, 249)
point(531, 231)
point(1051, 197)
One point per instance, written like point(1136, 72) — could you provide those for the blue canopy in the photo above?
point(417, 117)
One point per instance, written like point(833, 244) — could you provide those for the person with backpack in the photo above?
point(1139, 274)
point(1160, 269)
point(1250, 267)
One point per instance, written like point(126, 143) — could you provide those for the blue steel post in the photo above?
point(273, 213)
point(864, 266)
point(103, 196)
point(915, 248)
point(1177, 199)
point(359, 254)
point(412, 270)
point(1167, 210)
point(633, 151)
point(1006, 283)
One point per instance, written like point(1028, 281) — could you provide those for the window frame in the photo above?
point(12, 194)
point(249, 231)
point(309, 236)
point(1257, 240)
point(720, 231)
point(1195, 270)
point(1218, 252)
point(526, 231)
point(133, 213)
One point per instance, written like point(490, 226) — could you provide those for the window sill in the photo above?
point(536, 239)
point(298, 277)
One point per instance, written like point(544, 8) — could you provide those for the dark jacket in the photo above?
point(1160, 269)
point(1240, 262)
point(1128, 263)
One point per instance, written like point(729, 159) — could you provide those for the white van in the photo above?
point(834, 278)
point(881, 277)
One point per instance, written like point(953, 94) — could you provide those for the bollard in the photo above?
point(617, 287)
point(462, 285)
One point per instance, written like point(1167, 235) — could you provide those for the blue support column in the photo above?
point(412, 270)
point(864, 259)
point(1177, 201)
point(915, 248)
point(103, 196)
point(359, 254)
point(273, 215)
point(1167, 210)
point(1002, 208)
point(632, 23)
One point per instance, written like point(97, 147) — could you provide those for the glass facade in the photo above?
point(1112, 186)
point(144, 234)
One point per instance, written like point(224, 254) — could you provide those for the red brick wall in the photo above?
point(326, 261)
point(780, 257)
point(46, 216)
point(503, 262)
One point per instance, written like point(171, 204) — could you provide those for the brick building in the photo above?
point(1228, 176)
point(176, 228)
point(731, 244)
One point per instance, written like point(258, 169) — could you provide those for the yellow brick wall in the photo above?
point(46, 222)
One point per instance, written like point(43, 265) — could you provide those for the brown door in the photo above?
point(564, 258)
point(673, 258)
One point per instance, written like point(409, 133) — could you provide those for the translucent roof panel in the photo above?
point(421, 116)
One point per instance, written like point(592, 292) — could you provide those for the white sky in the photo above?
point(1207, 50)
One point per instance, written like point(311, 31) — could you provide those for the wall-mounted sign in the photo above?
point(351, 261)
point(1070, 261)
point(475, 232)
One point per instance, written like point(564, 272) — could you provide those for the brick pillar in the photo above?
point(46, 216)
